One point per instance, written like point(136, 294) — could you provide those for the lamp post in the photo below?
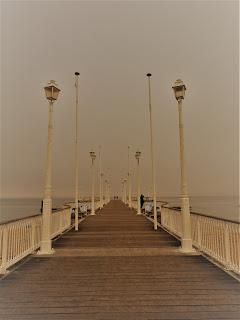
point(125, 191)
point(109, 192)
point(129, 181)
point(93, 157)
point(186, 242)
point(106, 191)
point(100, 178)
point(152, 154)
point(52, 92)
point(102, 187)
point(76, 152)
point(137, 156)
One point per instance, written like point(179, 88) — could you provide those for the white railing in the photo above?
point(61, 220)
point(22, 237)
point(218, 238)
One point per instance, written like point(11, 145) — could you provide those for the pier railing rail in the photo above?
point(22, 237)
point(218, 238)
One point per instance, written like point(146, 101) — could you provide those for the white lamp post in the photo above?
point(137, 156)
point(93, 157)
point(109, 192)
point(100, 178)
point(129, 181)
point(125, 191)
point(76, 153)
point(102, 187)
point(152, 155)
point(106, 191)
point(186, 242)
point(52, 92)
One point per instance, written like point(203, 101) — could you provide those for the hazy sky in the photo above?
point(113, 44)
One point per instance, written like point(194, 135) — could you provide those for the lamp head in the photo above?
point(52, 90)
point(92, 155)
point(179, 89)
point(138, 154)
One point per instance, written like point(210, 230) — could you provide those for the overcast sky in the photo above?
point(113, 44)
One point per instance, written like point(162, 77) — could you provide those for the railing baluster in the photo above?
point(4, 256)
point(218, 238)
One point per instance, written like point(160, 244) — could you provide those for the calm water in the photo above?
point(12, 209)
point(221, 207)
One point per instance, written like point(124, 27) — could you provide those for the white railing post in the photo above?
point(227, 246)
point(33, 233)
point(3, 266)
point(199, 236)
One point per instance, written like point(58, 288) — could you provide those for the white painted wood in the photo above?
point(218, 238)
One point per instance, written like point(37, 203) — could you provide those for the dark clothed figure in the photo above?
point(141, 200)
point(41, 209)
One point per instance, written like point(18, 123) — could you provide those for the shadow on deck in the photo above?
point(117, 267)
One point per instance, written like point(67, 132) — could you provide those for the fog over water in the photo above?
point(113, 44)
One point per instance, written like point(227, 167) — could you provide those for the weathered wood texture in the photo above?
point(118, 286)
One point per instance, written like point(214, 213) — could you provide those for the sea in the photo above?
point(218, 207)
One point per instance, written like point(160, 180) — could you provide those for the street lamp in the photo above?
point(124, 197)
point(52, 92)
point(152, 155)
point(186, 242)
point(76, 153)
point(106, 191)
point(109, 192)
point(129, 181)
point(93, 157)
point(102, 187)
point(100, 178)
point(137, 156)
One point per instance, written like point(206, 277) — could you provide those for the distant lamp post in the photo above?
point(109, 192)
point(100, 178)
point(186, 242)
point(102, 187)
point(137, 156)
point(76, 152)
point(52, 92)
point(152, 154)
point(129, 181)
point(124, 198)
point(106, 191)
point(93, 157)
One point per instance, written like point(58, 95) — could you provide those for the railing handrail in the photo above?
point(20, 219)
point(65, 206)
point(201, 214)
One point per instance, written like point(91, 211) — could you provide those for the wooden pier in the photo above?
point(117, 267)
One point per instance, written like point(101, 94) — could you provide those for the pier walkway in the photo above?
point(117, 267)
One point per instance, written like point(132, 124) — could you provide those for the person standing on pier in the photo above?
point(141, 200)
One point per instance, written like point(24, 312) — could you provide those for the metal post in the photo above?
point(46, 242)
point(106, 191)
point(93, 180)
point(152, 155)
point(186, 234)
point(138, 187)
point(100, 178)
point(129, 181)
point(76, 153)
point(102, 188)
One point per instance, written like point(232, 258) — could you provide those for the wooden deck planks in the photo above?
point(159, 286)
